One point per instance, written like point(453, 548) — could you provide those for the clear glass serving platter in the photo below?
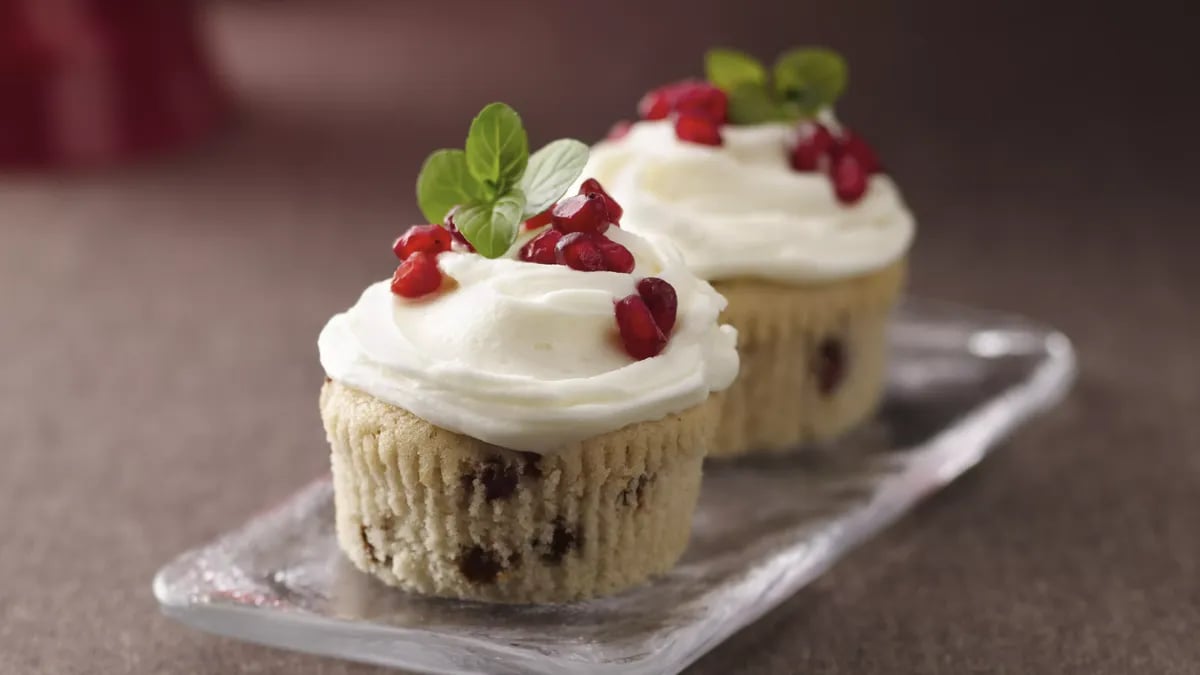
point(960, 380)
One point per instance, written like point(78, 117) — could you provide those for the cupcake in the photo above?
point(790, 216)
point(521, 413)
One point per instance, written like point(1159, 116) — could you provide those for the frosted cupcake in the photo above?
point(789, 214)
point(521, 413)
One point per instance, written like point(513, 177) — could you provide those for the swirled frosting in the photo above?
point(525, 356)
point(739, 210)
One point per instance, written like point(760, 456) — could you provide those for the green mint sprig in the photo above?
point(495, 183)
point(801, 83)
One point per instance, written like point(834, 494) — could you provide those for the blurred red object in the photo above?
point(94, 82)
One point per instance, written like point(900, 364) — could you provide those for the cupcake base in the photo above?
point(444, 514)
point(813, 360)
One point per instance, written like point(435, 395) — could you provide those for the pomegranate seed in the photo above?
point(610, 205)
point(813, 145)
point(619, 130)
point(687, 97)
point(581, 213)
point(580, 251)
point(617, 258)
point(697, 130)
point(640, 336)
point(540, 249)
point(418, 275)
point(540, 220)
point(455, 234)
point(656, 104)
point(852, 144)
point(431, 239)
point(849, 178)
point(660, 297)
point(701, 99)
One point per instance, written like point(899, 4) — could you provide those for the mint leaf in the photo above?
point(728, 68)
point(550, 172)
point(492, 228)
point(753, 104)
point(488, 183)
point(497, 147)
point(445, 182)
point(810, 78)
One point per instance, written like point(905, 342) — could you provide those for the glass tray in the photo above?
point(960, 380)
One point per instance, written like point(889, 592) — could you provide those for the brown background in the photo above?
point(157, 324)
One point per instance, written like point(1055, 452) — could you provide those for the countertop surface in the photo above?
point(158, 375)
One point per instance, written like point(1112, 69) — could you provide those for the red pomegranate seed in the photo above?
point(687, 97)
point(660, 297)
point(849, 178)
point(617, 258)
point(540, 220)
point(431, 239)
point(455, 234)
point(579, 251)
point(697, 130)
point(813, 145)
point(701, 99)
point(418, 275)
point(640, 336)
point(619, 130)
point(656, 104)
point(581, 213)
point(611, 206)
point(851, 143)
point(540, 249)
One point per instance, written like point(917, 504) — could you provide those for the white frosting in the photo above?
point(740, 210)
point(527, 356)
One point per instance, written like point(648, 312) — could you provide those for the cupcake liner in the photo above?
point(443, 514)
point(813, 360)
